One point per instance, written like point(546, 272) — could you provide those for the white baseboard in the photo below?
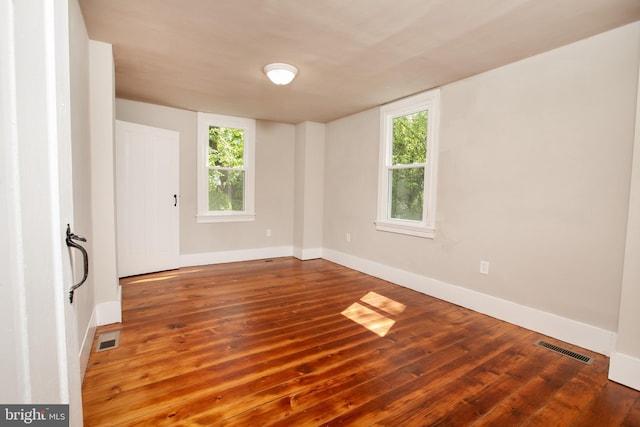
point(625, 370)
point(87, 342)
point(561, 328)
point(189, 260)
point(110, 311)
point(307, 254)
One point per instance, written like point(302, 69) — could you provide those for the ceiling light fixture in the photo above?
point(280, 74)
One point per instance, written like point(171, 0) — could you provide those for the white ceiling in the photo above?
point(208, 55)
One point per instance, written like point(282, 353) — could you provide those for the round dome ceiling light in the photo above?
point(280, 74)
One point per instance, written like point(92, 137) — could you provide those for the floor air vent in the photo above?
point(565, 352)
point(108, 340)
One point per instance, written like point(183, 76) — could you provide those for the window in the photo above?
point(408, 165)
point(226, 176)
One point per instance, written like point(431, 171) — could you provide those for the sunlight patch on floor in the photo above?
point(154, 279)
point(368, 318)
point(383, 303)
point(371, 319)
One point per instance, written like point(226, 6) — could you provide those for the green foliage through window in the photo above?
point(408, 159)
point(226, 173)
point(410, 139)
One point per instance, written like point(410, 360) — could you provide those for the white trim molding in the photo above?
point(571, 331)
point(430, 102)
point(87, 343)
point(625, 370)
point(204, 214)
point(307, 254)
point(110, 311)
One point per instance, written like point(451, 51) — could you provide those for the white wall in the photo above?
point(274, 187)
point(535, 161)
point(107, 295)
point(308, 190)
point(625, 362)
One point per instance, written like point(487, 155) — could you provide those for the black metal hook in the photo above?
point(70, 243)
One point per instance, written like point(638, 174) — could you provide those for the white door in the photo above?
point(147, 181)
point(40, 362)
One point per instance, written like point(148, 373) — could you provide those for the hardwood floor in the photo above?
point(266, 343)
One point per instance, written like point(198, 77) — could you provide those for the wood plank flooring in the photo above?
point(266, 343)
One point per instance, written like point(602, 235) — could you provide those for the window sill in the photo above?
point(225, 217)
point(408, 229)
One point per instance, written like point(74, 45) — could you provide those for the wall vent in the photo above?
point(108, 340)
point(565, 352)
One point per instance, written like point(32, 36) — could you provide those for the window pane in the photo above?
point(410, 139)
point(226, 190)
point(407, 193)
point(226, 147)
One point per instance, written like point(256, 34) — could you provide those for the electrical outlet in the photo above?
point(484, 267)
point(268, 232)
point(348, 237)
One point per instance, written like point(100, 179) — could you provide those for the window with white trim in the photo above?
point(226, 176)
point(408, 165)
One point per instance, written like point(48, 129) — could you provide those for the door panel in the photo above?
point(147, 178)
point(38, 325)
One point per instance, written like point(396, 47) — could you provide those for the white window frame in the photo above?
point(430, 101)
point(205, 120)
